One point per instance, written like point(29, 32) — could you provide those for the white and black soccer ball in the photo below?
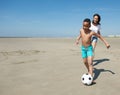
point(87, 79)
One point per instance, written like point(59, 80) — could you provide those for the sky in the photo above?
point(56, 18)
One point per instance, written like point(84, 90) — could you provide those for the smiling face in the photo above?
point(86, 25)
point(95, 19)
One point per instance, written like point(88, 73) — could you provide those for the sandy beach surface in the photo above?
point(53, 66)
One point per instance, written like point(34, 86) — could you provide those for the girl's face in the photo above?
point(95, 19)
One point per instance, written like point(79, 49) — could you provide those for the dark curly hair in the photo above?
point(99, 18)
point(87, 20)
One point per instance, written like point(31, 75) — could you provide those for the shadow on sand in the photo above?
point(98, 71)
point(98, 61)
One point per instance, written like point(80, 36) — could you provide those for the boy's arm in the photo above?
point(78, 38)
point(102, 39)
point(99, 32)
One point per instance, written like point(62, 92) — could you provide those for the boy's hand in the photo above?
point(108, 46)
point(77, 42)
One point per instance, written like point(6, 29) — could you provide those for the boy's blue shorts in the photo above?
point(87, 51)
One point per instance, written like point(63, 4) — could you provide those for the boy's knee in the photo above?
point(85, 63)
point(90, 63)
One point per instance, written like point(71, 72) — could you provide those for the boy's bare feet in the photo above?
point(93, 82)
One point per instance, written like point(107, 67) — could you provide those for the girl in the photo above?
point(95, 26)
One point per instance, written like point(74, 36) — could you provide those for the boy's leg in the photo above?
point(90, 64)
point(86, 63)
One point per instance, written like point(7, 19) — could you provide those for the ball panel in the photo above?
point(86, 79)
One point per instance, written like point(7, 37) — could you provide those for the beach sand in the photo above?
point(53, 66)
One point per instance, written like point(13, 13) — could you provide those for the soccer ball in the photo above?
point(87, 79)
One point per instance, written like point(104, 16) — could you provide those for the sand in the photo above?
point(53, 66)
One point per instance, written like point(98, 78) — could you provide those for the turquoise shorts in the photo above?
point(87, 51)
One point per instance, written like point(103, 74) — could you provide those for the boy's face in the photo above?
point(86, 25)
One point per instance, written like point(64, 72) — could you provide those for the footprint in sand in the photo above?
point(5, 54)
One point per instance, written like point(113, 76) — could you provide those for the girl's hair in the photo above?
point(99, 18)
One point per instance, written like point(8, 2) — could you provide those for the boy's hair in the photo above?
point(99, 18)
point(87, 20)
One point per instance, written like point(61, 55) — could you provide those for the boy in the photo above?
point(86, 48)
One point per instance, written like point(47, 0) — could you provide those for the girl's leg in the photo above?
point(94, 45)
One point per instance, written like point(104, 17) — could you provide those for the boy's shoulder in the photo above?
point(81, 29)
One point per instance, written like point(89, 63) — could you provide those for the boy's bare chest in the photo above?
point(86, 35)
